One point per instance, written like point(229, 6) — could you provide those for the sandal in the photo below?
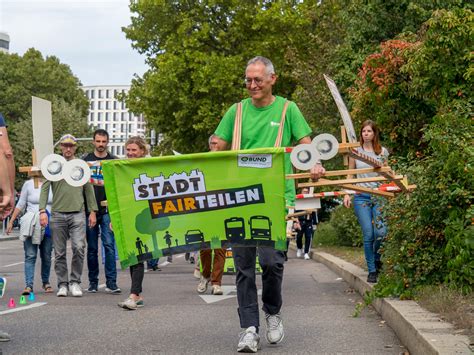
point(27, 291)
point(47, 288)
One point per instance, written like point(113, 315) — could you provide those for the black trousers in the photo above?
point(137, 272)
point(271, 262)
point(307, 231)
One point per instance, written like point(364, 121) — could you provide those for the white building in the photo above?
point(108, 113)
point(4, 42)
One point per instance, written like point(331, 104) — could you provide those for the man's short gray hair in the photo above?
point(267, 62)
point(210, 138)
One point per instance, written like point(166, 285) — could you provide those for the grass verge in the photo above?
point(450, 305)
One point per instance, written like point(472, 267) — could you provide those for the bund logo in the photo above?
point(261, 161)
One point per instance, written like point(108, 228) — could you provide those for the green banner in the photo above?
point(176, 204)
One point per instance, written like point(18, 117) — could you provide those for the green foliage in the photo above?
point(32, 75)
point(325, 235)
point(197, 51)
point(65, 120)
point(342, 229)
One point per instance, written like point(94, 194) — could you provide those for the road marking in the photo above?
point(227, 290)
point(24, 308)
point(14, 264)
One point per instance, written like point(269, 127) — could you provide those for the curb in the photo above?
point(4, 237)
point(422, 332)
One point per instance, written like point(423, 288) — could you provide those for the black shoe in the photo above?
point(372, 278)
point(191, 259)
point(92, 288)
point(186, 256)
point(156, 268)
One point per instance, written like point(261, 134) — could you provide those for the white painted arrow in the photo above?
point(227, 290)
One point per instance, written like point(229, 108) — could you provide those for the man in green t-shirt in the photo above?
point(261, 117)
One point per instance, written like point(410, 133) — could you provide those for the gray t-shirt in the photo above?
point(383, 157)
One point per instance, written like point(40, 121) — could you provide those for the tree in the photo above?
point(32, 75)
point(66, 119)
point(197, 51)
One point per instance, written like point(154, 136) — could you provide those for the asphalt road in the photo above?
point(317, 313)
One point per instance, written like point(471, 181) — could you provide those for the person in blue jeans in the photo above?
point(33, 236)
point(368, 208)
point(102, 228)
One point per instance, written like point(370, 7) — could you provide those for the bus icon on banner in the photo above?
point(260, 227)
point(235, 229)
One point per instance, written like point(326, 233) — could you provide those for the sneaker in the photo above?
point(202, 286)
point(4, 337)
point(156, 268)
point(62, 292)
point(299, 253)
point(191, 259)
point(92, 288)
point(76, 290)
point(249, 341)
point(27, 291)
point(306, 256)
point(197, 273)
point(372, 278)
point(113, 290)
point(169, 258)
point(217, 290)
point(186, 256)
point(131, 304)
point(275, 333)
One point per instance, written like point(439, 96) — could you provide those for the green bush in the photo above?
point(324, 235)
point(431, 237)
point(342, 229)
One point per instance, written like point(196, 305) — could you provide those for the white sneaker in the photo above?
point(76, 290)
point(249, 341)
point(306, 256)
point(62, 292)
point(299, 253)
point(202, 286)
point(197, 273)
point(275, 333)
point(217, 290)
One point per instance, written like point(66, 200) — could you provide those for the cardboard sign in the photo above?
point(176, 204)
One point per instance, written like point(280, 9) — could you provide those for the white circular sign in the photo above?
point(52, 167)
point(76, 172)
point(326, 145)
point(304, 156)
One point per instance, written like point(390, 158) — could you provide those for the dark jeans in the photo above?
point(31, 251)
point(102, 228)
point(307, 231)
point(137, 272)
point(271, 262)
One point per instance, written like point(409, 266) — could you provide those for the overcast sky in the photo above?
point(85, 34)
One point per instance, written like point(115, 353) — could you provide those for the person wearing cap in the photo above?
point(68, 221)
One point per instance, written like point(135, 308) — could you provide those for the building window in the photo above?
point(115, 105)
point(107, 94)
point(99, 105)
point(92, 94)
point(99, 116)
point(100, 94)
point(123, 116)
point(115, 116)
point(87, 93)
point(130, 128)
point(92, 116)
point(92, 105)
point(107, 116)
point(123, 105)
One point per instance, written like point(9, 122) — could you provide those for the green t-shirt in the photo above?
point(260, 129)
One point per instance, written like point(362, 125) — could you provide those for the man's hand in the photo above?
point(9, 227)
point(317, 171)
point(44, 219)
point(347, 201)
point(92, 219)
